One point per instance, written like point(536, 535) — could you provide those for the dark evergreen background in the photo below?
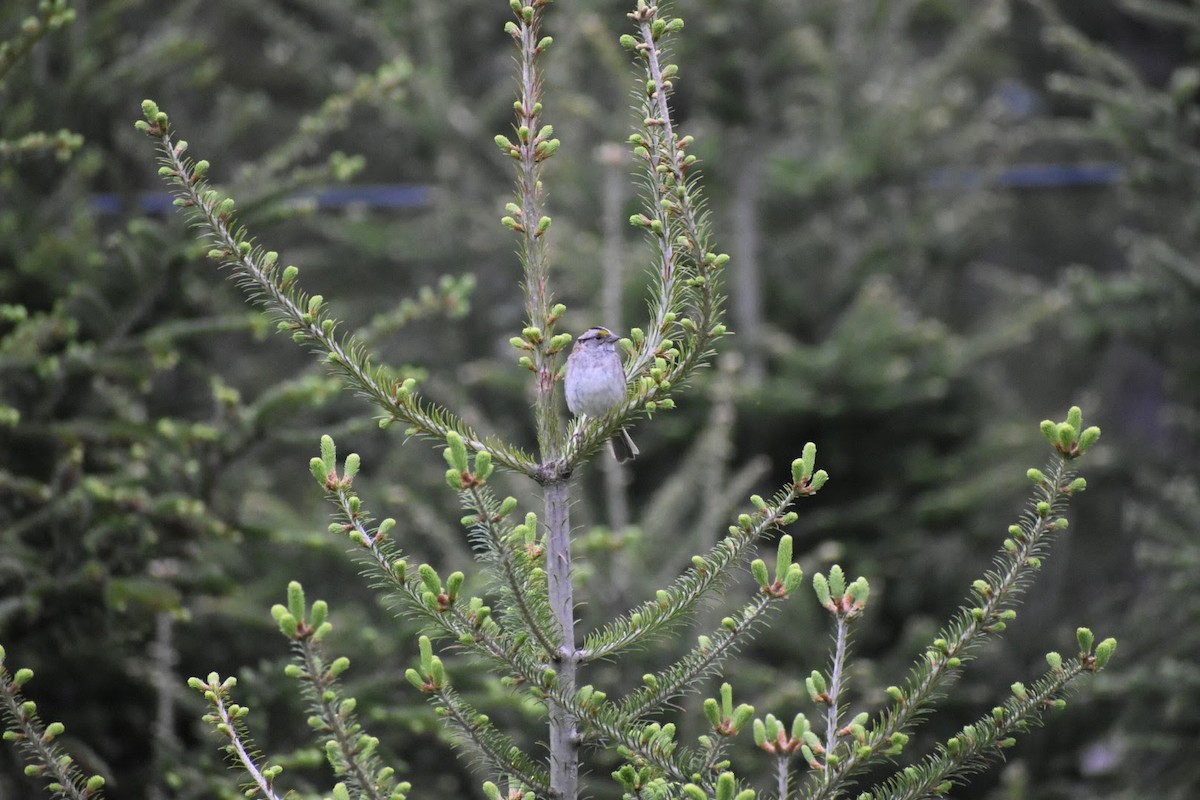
point(948, 221)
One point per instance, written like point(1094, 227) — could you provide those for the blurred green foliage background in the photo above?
point(948, 221)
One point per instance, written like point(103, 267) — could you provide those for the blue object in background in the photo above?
point(410, 195)
point(1030, 176)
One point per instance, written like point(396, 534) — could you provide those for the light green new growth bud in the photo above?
point(713, 712)
point(430, 579)
point(788, 518)
point(742, 715)
point(895, 693)
point(314, 304)
point(783, 556)
point(415, 678)
point(1035, 476)
point(746, 794)
point(1104, 652)
point(490, 789)
point(288, 625)
point(1075, 417)
point(54, 730)
point(426, 648)
point(95, 783)
point(1054, 660)
point(757, 501)
point(837, 581)
point(691, 791)
point(350, 467)
point(456, 451)
point(1019, 691)
point(821, 587)
point(329, 452)
point(1078, 485)
point(1088, 438)
point(454, 479)
point(760, 733)
point(1050, 431)
point(725, 786)
point(793, 579)
point(759, 569)
point(1086, 640)
point(507, 506)
point(816, 685)
point(339, 666)
point(1065, 434)
point(808, 461)
point(726, 699)
point(859, 591)
point(320, 611)
point(23, 676)
point(386, 526)
point(728, 623)
point(819, 479)
point(295, 598)
point(454, 584)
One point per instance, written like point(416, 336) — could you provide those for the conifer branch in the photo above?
point(702, 660)
point(988, 737)
point(51, 15)
point(305, 317)
point(710, 570)
point(36, 741)
point(477, 734)
point(350, 751)
point(833, 723)
point(993, 600)
point(496, 539)
point(336, 113)
point(62, 143)
point(535, 144)
point(473, 628)
point(228, 720)
point(686, 309)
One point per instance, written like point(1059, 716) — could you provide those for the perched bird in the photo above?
point(595, 383)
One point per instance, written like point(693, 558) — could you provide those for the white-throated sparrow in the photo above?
point(595, 383)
